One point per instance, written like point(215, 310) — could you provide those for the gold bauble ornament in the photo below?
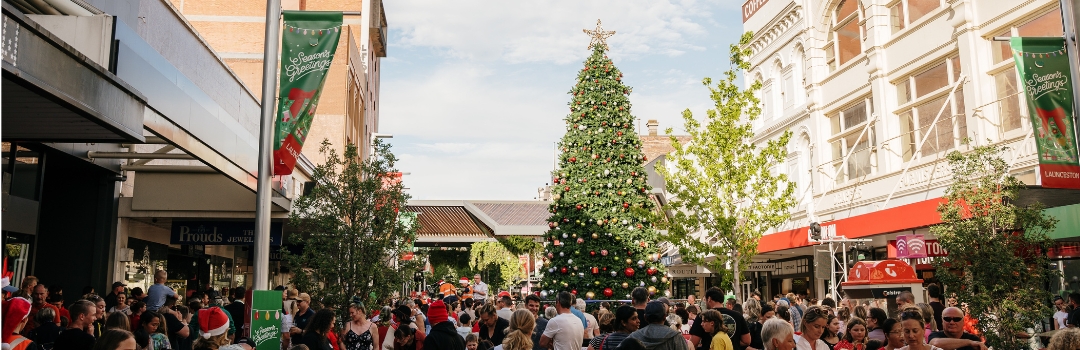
point(652, 290)
point(590, 295)
point(595, 236)
point(625, 285)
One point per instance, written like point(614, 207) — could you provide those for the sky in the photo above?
point(475, 92)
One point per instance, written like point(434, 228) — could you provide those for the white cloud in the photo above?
point(545, 31)
point(476, 93)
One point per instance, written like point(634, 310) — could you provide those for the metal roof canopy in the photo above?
point(53, 93)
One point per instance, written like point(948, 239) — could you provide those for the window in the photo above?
point(788, 90)
point(905, 12)
point(847, 126)
point(1048, 24)
point(1011, 115)
point(767, 109)
point(921, 96)
point(845, 38)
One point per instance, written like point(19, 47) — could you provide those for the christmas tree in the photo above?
point(598, 248)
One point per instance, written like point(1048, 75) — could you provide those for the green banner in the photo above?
point(308, 43)
point(1044, 69)
point(266, 319)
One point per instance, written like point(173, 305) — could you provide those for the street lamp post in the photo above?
point(266, 130)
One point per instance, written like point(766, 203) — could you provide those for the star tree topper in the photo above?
point(599, 36)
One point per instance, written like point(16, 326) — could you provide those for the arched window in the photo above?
point(799, 76)
point(781, 90)
point(845, 38)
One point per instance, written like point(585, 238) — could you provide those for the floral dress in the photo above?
point(362, 341)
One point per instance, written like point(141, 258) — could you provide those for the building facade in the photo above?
point(876, 93)
point(130, 137)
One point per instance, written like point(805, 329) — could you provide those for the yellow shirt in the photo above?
point(721, 341)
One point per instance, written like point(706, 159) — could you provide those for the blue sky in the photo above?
point(475, 92)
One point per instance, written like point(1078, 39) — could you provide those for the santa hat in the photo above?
point(437, 312)
point(15, 311)
point(213, 322)
point(464, 280)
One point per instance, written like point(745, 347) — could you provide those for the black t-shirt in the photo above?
point(74, 339)
point(500, 331)
point(965, 335)
point(938, 309)
point(641, 317)
point(315, 341)
point(174, 325)
point(1074, 318)
point(734, 321)
point(301, 320)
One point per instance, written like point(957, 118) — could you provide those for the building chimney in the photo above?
point(653, 125)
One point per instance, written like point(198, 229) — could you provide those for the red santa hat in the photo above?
point(213, 322)
point(15, 311)
point(437, 312)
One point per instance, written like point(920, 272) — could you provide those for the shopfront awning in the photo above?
point(1068, 225)
point(53, 93)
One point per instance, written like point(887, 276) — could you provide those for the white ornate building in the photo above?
point(876, 92)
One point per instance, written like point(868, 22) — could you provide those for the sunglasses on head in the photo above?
point(952, 319)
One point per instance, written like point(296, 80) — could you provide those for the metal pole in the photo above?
point(266, 130)
point(1068, 19)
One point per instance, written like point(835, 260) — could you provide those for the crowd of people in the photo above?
point(465, 318)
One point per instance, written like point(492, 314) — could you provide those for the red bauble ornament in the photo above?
point(573, 159)
point(608, 292)
point(578, 207)
point(625, 205)
point(551, 225)
point(592, 253)
point(573, 291)
point(629, 272)
point(603, 252)
point(618, 133)
point(564, 270)
point(595, 270)
point(651, 271)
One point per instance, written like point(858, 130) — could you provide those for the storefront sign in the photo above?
point(761, 267)
point(886, 293)
point(688, 270)
point(220, 233)
point(932, 249)
point(308, 43)
point(910, 246)
point(1044, 67)
point(266, 319)
point(750, 7)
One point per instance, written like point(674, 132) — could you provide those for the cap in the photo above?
point(10, 289)
point(504, 294)
point(304, 297)
point(119, 284)
point(666, 301)
point(655, 310)
point(6, 282)
point(213, 322)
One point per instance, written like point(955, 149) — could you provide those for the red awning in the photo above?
point(904, 217)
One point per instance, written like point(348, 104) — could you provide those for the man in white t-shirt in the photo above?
point(564, 332)
point(593, 328)
point(480, 290)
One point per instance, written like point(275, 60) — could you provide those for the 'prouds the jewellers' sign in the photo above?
point(750, 7)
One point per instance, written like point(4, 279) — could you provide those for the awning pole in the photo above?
point(266, 130)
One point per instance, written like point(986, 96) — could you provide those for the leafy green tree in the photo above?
point(997, 260)
point(498, 266)
point(598, 246)
point(724, 192)
point(349, 228)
